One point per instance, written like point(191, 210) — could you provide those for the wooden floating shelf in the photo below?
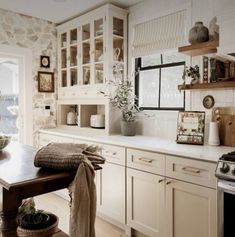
point(200, 49)
point(208, 86)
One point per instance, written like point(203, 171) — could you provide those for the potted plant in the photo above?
point(124, 99)
point(33, 222)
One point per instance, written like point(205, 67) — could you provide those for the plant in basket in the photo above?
point(33, 222)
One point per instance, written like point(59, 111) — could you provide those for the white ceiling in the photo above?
point(57, 10)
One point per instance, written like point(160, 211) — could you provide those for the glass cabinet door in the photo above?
point(73, 58)
point(118, 47)
point(86, 55)
point(63, 48)
point(99, 51)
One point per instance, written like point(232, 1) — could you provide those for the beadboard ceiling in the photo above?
point(58, 11)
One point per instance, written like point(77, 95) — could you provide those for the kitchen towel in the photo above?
point(82, 189)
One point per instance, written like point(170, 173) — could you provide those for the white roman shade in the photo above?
point(165, 32)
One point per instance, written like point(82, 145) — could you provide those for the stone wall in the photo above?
point(40, 36)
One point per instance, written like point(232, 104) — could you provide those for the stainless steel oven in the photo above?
point(225, 173)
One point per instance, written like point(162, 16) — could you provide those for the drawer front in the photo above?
point(147, 161)
point(198, 172)
point(45, 139)
point(114, 154)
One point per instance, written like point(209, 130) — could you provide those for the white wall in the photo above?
point(163, 124)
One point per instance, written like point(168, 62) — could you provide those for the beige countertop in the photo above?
point(205, 152)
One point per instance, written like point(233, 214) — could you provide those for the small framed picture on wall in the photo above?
point(45, 82)
point(45, 61)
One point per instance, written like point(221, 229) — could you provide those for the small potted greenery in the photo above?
point(124, 99)
point(33, 222)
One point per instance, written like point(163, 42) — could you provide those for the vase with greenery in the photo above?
point(124, 99)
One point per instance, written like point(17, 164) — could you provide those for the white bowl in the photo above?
point(4, 142)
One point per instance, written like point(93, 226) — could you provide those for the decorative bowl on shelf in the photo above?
point(4, 141)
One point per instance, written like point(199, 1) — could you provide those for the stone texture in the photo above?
point(39, 36)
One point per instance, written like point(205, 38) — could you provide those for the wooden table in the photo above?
point(20, 179)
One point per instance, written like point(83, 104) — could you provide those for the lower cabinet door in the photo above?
point(110, 183)
point(146, 203)
point(191, 210)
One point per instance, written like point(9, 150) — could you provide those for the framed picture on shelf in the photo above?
point(45, 82)
point(45, 61)
point(190, 127)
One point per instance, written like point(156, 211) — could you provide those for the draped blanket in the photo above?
point(84, 158)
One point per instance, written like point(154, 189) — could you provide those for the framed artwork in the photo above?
point(45, 82)
point(45, 61)
point(190, 127)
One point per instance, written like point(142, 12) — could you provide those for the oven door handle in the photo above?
point(226, 187)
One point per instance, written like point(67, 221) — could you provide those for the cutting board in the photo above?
point(226, 118)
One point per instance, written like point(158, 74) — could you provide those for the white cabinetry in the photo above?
point(146, 203)
point(111, 184)
point(191, 210)
point(89, 48)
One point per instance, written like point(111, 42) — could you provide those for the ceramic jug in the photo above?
point(116, 54)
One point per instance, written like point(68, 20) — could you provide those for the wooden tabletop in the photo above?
point(17, 168)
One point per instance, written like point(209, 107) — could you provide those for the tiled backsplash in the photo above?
point(164, 124)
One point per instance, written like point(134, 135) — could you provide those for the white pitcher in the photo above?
point(116, 54)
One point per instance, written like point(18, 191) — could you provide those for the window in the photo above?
point(157, 79)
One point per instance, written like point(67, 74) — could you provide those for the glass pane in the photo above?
point(64, 78)
point(73, 56)
point(118, 26)
point(99, 50)
point(118, 49)
point(64, 58)
point(86, 75)
point(9, 98)
point(73, 36)
point(173, 57)
point(86, 53)
point(151, 60)
point(73, 75)
point(63, 40)
point(98, 28)
point(99, 73)
point(118, 71)
point(149, 88)
point(171, 77)
point(86, 32)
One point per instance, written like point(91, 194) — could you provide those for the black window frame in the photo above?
point(138, 68)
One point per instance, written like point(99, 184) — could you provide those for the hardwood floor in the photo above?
point(60, 207)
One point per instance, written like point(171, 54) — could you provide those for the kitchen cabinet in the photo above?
point(91, 50)
point(153, 193)
point(191, 210)
point(111, 192)
point(146, 202)
point(111, 184)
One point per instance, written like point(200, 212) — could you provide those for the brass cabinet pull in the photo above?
point(146, 160)
point(168, 182)
point(191, 169)
point(160, 180)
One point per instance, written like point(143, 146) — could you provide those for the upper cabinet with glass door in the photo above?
point(93, 48)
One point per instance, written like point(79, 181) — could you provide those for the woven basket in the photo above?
point(45, 232)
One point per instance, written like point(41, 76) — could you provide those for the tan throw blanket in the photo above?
point(82, 189)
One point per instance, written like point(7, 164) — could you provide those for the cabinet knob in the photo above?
point(160, 180)
point(168, 182)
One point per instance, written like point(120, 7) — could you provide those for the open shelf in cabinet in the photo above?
point(200, 49)
point(208, 86)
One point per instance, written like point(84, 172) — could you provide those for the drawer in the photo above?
point(193, 171)
point(114, 154)
point(147, 161)
point(45, 139)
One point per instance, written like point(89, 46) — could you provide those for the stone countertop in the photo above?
point(205, 152)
